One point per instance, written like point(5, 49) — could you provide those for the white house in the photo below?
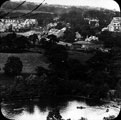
point(115, 25)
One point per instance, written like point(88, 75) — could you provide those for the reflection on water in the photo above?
point(92, 113)
point(39, 110)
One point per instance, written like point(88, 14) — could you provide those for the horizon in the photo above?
point(109, 4)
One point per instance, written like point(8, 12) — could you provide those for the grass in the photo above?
point(3, 34)
point(30, 61)
point(27, 11)
point(81, 56)
point(8, 80)
point(5, 80)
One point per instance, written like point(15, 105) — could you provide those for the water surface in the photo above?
point(39, 110)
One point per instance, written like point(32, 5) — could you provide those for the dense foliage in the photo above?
point(13, 66)
point(14, 43)
point(65, 75)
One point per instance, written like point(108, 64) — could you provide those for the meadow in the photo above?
point(30, 61)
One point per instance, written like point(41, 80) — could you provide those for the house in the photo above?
point(78, 36)
point(68, 45)
point(17, 24)
point(115, 25)
point(86, 45)
point(56, 32)
point(81, 45)
point(93, 22)
point(91, 38)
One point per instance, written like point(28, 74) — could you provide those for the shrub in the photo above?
point(41, 70)
point(13, 66)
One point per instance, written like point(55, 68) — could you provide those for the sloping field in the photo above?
point(27, 11)
point(34, 12)
point(30, 61)
point(82, 57)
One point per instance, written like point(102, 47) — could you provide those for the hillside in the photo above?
point(58, 9)
point(30, 61)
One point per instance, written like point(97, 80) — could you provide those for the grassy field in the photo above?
point(27, 11)
point(81, 56)
point(30, 61)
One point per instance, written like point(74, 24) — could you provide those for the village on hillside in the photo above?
point(27, 27)
point(58, 59)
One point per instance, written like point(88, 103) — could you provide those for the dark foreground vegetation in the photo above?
point(65, 75)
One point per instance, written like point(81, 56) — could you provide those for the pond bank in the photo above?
point(39, 110)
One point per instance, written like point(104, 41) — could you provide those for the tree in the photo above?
point(20, 43)
point(86, 30)
point(13, 43)
point(69, 35)
point(100, 61)
point(13, 66)
point(49, 42)
point(57, 55)
point(110, 39)
point(18, 88)
point(118, 88)
point(76, 70)
point(52, 39)
point(41, 70)
point(7, 42)
point(33, 39)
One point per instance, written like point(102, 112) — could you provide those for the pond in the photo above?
point(73, 109)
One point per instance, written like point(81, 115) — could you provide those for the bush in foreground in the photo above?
point(13, 66)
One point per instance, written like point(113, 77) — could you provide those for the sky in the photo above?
point(109, 4)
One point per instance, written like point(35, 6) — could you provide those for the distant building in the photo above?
point(66, 44)
point(81, 45)
point(56, 32)
point(115, 25)
point(17, 24)
point(91, 39)
point(93, 22)
point(85, 45)
point(78, 36)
